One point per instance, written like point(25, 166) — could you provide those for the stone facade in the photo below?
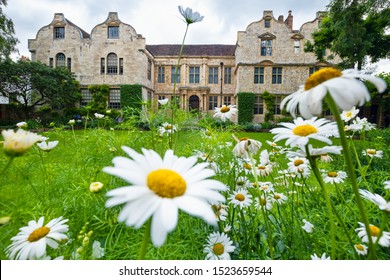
point(268, 56)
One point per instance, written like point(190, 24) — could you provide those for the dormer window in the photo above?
point(266, 47)
point(113, 32)
point(267, 23)
point(59, 32)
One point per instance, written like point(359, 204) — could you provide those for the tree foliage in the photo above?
point(354, 30)
point(29, 84)
point(7, 40)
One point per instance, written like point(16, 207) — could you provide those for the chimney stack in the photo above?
point(289, 20)
point(281, 18)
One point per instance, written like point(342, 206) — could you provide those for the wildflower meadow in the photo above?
point(194, 186)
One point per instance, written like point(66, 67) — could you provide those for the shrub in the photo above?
point(245, 107)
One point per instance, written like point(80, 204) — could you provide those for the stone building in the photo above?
point(267, 56)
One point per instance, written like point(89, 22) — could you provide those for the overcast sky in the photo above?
point(159, 21)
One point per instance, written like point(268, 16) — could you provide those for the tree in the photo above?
point(354, 30)
point(7, 40)
point(29, 84)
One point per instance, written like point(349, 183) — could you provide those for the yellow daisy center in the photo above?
point(168, 127)
point(374, 230)
point(349, 114)
point(304, 130)
point(244, 139)
point(38, 234)
point(247, 166)
point(261, 167)
point(225, 109)
point(218, 249)
point(321, 76)
point(277, 196)
point(298, 162)
point(332, 174)
point(263, 201)
point(359, 247)
point(240, 197)
point(371, 151)
point(166, 183)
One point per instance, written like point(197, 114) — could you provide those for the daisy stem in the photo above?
point(269, 233)
point(145, 241)
point(317, 173)
point(351, 171)
point(173, 104)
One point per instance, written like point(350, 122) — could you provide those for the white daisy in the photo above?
point(347, 115)
point(334, 177)
point(220, 211)
point(218, 247)
point(279, 198)
point(242, 182)
point(373, 153)
point(266, 187)
point(163, 101)
point(308, 227)
point(361, 249)
point(265, 201)
point(99, 116)
point(384, 238)
point(17, 143)
point(343, 86)
point(359, 125)
point(166, 128)
point(245, 145)
point(97, 250)
point(22, 125)
point(299, 166)
point(299, 132)
point(96, 187)
point(72, 122)
point(322, 258)
point(387, 185)
point(47, 146)
point(30, 243)
point(315, 152)
point(377, 199)
point(263, 170)
point(225, 113)
point(241, 198)
point(190, 16)
point(160, 187)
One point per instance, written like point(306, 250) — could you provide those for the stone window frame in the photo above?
point(227, 78)
point(213, 102)
point(86, 97)
point(112, 64)
point(161, 74)
point(277, 75)
point(297, 43)
point(277, 109)
point(114, 98)
point(60, 60)
point(213, 74)
point(258, 105)
point(266, 43)
point(173, 72)
point(113, 32)
point(227, 100)
point(258, 74)
point(194, 75)
point(59, 32)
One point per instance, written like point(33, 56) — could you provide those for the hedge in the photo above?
point(131, 96)
point(245, 107)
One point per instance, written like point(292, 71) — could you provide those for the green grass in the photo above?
point(56, 183)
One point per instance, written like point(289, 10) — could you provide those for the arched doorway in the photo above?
point(194, 103)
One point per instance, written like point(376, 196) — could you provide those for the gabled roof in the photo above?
point(84, 34)
point(192, 50)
